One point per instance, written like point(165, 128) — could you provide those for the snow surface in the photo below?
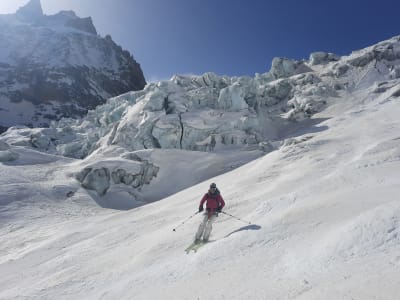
point(323, 206)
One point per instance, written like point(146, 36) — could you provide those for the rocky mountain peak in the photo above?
point(83, 24)
point(32, 11)
point(58, 66)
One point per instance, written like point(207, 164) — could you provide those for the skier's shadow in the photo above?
point(248, 227)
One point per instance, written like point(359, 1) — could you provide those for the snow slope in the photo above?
point(324, 211)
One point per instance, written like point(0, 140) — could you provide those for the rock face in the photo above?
point(31, 11)
point(57, 66)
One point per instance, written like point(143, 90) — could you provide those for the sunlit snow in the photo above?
point(322, 200)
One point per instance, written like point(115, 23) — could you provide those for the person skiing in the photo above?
point(214, 205)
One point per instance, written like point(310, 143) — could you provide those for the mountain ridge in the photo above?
point(56, 66)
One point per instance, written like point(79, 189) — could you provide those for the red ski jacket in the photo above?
point(213, 201)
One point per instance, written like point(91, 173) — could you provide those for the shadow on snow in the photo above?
point(248, 227)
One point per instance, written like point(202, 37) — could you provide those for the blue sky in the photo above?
point(230, 37)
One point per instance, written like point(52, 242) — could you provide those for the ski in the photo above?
point(195, 246)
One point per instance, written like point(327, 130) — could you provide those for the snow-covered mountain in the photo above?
point(57, 65)
point(210, 113)
point(320, 191)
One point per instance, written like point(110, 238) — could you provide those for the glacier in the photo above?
point(210, 113)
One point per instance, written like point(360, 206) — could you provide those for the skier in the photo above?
point(214, 205)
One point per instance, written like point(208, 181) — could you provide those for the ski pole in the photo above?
point(236, 217)
point(185, 221)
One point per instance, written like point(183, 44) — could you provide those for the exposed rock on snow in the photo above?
point(95, 179)
point(130, 170)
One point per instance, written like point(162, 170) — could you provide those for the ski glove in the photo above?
point(201, 208)
point(219, 209)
